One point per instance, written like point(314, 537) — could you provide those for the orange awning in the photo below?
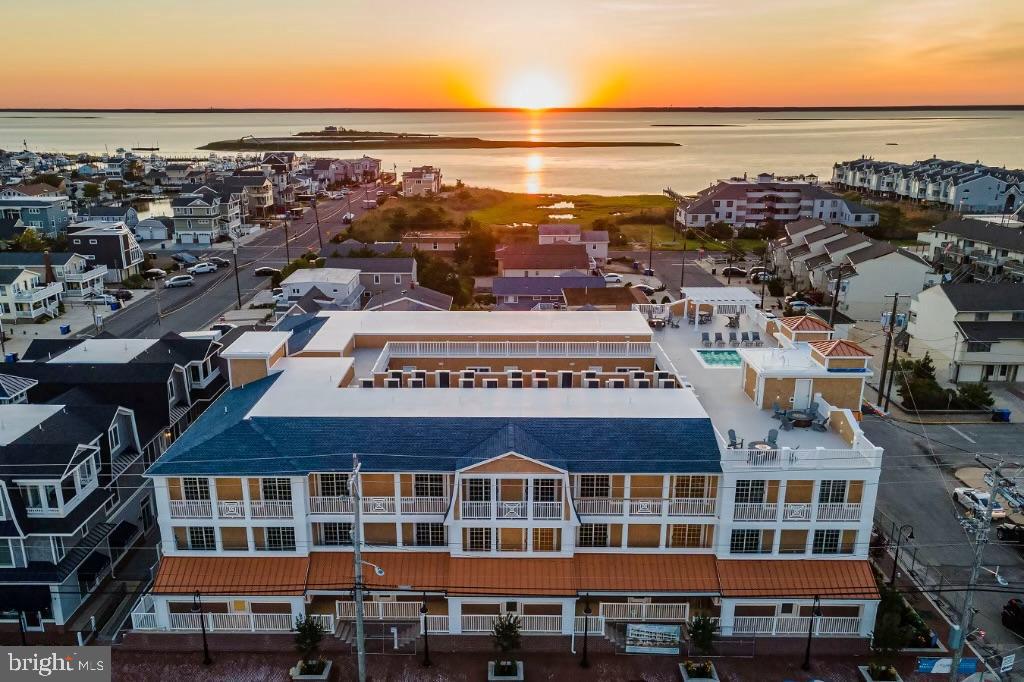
point(512, 576)
point(422, 571)
point(232, 575)
point(827, 579)
point(689, 573)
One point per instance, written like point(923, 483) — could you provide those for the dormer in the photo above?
point(253, 354)
point(803, 328)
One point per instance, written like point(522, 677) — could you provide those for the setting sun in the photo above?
point(535, 90)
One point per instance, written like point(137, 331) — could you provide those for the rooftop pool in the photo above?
point(719, 358)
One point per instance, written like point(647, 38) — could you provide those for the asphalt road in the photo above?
point(195, 307)
point(666, 265)
point(916, 488)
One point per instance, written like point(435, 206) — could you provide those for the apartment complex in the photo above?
point(519, 463)
point(743, 202)
point(965, 187)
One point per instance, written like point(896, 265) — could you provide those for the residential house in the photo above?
point(872, 273)
point(109, 244)
point(339, 285)
point(415, 299)
point(38, 189)
point(542, 260)
point(257, 194)
point(484, 490)
point(364, 169)
point(10, 229)
point(79, 276)
point(49, 215)
point(421, 181)
point(602, 298)
point(14, 390)
point(178, 173)
point(596, 241)
point(26, 297)
point(974, 332)
point(153, 229)
point(350, 246)
point(112, 214)
point(379, 275)
point(526, 293)
point(207, 213)
point(976, 250)
point(441, 243)
point(280, 162)
point(748, 203)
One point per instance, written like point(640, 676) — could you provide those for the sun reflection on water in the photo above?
point(534, 163)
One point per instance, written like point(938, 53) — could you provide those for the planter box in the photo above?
point(322, 676)
point(687, 678)
point(867, 676)
point(518, 677)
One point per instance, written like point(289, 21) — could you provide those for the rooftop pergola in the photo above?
point(723, 300)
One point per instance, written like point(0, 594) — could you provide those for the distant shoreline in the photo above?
point(314, 144)
point(370, 110)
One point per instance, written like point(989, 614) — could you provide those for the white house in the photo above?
point(596, 241)
point(341, 285)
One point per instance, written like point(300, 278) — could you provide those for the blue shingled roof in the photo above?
point(223, 443)
point(542, 286)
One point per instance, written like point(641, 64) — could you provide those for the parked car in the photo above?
point(264, 271)
point(180, 281)
point(348, 218)
point(976, 501)
point(222, 327)
point(645, 290)
point(648, 272)
point(202, 268)
point(1010, 532)
point(122, 294)
point(99, 299)
point(1013, 615)
point(733, 271)
point(154, 273)
point(613, 278)
point(186, 258)
point(799, 305)
point(762, 276)
point(219, 262)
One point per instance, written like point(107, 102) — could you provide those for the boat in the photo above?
point(145, 149)
point(892, 144)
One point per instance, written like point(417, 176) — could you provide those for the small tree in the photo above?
point(308, 633)
point(891, 633)
point(506, 639)
point(702, 634)
point(974, 396)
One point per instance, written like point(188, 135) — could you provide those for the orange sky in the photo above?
point(448, 53)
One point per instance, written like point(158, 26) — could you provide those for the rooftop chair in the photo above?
point(787, 423)
point(755, 338)
point(773, 438)
point(744, 339)
point(813, 409)
point(733, 443)
point(733, 340)
point(777, 412)
point(820, 424)
point(719, 341)
point(705, 338)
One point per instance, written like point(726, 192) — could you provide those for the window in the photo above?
point(749, 492)
point(479, 490)
point(398, 279)
point(980, 317)
point(281, 539)
point(278, 489)
point(544, 540)
point(86, 473)
point(826, 542)
point(688, 535)
point(430, 534)
point(545, 490)
point(594, 486)
point(334, 485)
point(114, 434)
point(202, 537)
point(1017, 317)
point(832, 492)
point(428, 485)
point(337, 533)
point(171, 395)
point(593, 535)
point(58, 547)
point(745, 541)
point(376, 279)
point(690, 487)
point(479, 539)
point(195, 488)
point(6, 553)
point(978, 347)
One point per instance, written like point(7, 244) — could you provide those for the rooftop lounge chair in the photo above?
point(755, 338)
point(813, 409)
point(820, 424)
point(744, 339)
point(705, 338)
point(777, 411)
point(733, 442)
point(733, 340)
point(773, 438)
point(787, 423)
point(719, 341)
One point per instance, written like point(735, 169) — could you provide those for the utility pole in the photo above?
point(835, 296)
point(888, 342)
point(764, 272)
point(682, 266)
point(238, 287)
point(892, 375)
point(357, 557)
point(650, 250)
point(287, 251)
point(319, 236)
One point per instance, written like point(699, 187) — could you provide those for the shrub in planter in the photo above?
point(308, 634)
point(505, 632)
point(882, 672)
point(699, 669)
point(702, 634)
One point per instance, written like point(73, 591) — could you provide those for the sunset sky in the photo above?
point(454, 53)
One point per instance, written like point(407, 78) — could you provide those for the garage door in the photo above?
point(204, 238)
point(185, 238)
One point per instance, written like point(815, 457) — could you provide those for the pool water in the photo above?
point(720, 358)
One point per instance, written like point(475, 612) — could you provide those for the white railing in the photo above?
point(325, 620)
point(841, 511)
point(511, 509)
point(595, 625)
point(547, 510)
point(540, 624)
point(39, 293)
point(270, 509)
point(93, 273)
point(436, 624)
point(143, 621)
point(191, 509)
point(692, 506)
point(424, 505)
point(243, 622)
point(476, 510)
point(862, 455)
point(478, 623)
point(184, 621)
point(643, 612)
point(824, 626)
point(323, 504)
point(796, 511)
point(599, 506)
point(755, 511)
point(378, 505)
point(231, 509)
point(650, 506)
point(380, 610)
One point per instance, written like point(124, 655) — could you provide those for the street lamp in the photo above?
point(197, 607)
point(896, 556)
point(584, 662)
point(815, 612)
point(426, 633)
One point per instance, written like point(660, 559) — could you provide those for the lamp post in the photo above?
point(815, 612)
point(197, 607)
point(426, 634)
point(585, 662)
point(896, 556)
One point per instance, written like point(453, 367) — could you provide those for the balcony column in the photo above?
point(397, 485)
point(528, 482)
point(454, 616)
point(624, 541)
point(665, 487)
point(163, 513)
point(868, 611)
point(495, 491)
point(815, 492)
point(727, 617)
point(214, 512)
point(300, 515)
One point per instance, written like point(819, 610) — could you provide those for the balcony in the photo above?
point(476, 510)
point(692, 506)
point(323, 504)
point(379, 610)
point(38, 294)
point(378, 505)
point(643, 613)
point(512, 509)
point(755, 511)
point(796, 511)
point(824, 626)
point(231, 509)
point(510, 349)
point(547, 510)
point(93, 273)
point(271, 509)
point(223, 622)
point(861, 455)
point(527, 624)
point(424, 505)
point(191, 509)
point(676, 506)
point(841, 511)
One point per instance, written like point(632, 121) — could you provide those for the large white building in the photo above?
point(743, 202)
point(525, 463)
point(964, 187)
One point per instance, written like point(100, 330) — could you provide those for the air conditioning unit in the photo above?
point(615, 383)
point(515, 383)
point(590, 374)
point(490, 383)
point(366, 383)
point(661, 375)
point(639, 374)
point(395, 374)
point(515, 374)
point(540, 374)
point(466, 383)
point(591, 383)
point(416, 383)
point(643, 383)
point(540, 383)
point(393, 383)
point(666, 383)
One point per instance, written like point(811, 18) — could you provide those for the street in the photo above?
point(916, 488)
point(195, 307)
